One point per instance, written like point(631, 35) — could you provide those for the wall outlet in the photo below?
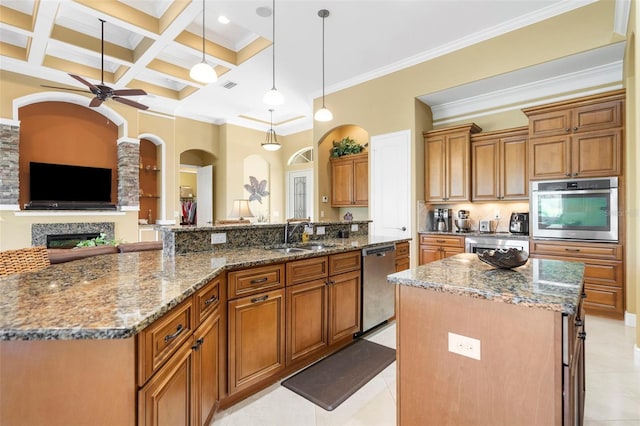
point(308, 229)
point(320, 230)
point(321, 213)
point(465, 346)
point(354, 227)
point(218, 237)
point(497, 214)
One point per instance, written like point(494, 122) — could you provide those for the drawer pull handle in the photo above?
point(197, 344)
point(179, 330)
point(579, 323)
point(211, 300)
point(441, 241)
point(260, 299)
point(571, 249)
point(582, 335)
point(259, 280)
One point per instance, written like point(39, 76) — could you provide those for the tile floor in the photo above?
point(613, 389)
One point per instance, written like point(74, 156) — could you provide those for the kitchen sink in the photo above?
point(288, 250)
point(316, 246)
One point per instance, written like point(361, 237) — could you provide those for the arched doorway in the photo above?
point(196, 183)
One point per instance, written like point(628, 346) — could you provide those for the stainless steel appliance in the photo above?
point(519, 223)
point(378, 296)
point(487, 226)
point(484, 243)
point(575, 209)
point(441, 220)
point(462, 222)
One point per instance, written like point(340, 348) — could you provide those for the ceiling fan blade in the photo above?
point(129, 92)
point(95, 102)
point(65, 88)
point(130, 102)
point(93, 88)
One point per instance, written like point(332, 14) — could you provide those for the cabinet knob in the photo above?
point(575, 174)
point(575, 129)
point(567, 174)
point(567, 129)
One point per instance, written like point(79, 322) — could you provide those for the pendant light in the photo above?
point(271, 141)
point(273, 97)
point(202, 72)
point(323, 114)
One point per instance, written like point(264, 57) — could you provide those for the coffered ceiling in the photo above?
point(152, 44)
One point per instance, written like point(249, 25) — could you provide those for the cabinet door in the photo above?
point(166, 399)
point(451, 251)
point(549, 157)
point(256, 338)
point(514, 174)
point(430, 254)
point(361, 181)
point(434, 173)
point(598, 116)
point(306, 319)
point(344, 306)
point(485, 156)
point(206, 372)
point(597, 153)
point(342, 184)
point(552, 123)
point(457, 168)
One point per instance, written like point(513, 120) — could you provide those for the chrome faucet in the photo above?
point(288, 234)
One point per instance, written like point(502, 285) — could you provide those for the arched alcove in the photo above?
point(190, 162)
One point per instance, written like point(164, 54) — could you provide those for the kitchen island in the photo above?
point(130, 338)
point(478, 345)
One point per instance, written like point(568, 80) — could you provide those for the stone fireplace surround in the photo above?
point(39, 231)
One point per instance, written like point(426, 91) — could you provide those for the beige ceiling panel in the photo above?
point(258, 120)
point(78, 69)
point(252, 49)
point(141, 48)
point(176, 8)
point(12, 51)
point(211, 48)
point(169, 69)
point(124, 13)
point(76, 38)
point(186, 92)
point(155, 89)
point(117, 75)
point(16, 19)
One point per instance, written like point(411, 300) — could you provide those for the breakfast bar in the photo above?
point(481, 345)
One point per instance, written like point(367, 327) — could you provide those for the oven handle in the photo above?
point(577, 191)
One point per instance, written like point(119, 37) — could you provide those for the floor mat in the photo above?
point(332, 380)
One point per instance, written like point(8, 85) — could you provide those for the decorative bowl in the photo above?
point(504, 258)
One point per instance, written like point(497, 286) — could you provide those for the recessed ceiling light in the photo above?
point(223, 19)
point(264, 11)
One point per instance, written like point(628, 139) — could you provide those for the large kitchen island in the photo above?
point(485, 346)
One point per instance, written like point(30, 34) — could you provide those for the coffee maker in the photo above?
point(441, 220)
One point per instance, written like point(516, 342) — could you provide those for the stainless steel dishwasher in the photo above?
point(378, 296)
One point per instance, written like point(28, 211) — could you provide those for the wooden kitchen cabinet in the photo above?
point(344, 306)
point(577, 138)
point(499, 165)
point(206, 370)
point(447, 163)
point(350, 181)
point(402, 256)
point(604, 284)
point(435, 247)
point(307, 321)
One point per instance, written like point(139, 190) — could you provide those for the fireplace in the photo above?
point(69, 240)
point(53, 234)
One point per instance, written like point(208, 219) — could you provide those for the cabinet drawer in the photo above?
point(442, 240)
point(578, 250)
point(345, 262)
point(248, 281)
point(402, 250)
point(300, 271)
point(162, 338)
point(402, 264)
point(604, 300)
point(207, 299)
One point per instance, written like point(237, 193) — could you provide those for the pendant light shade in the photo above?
point(202, 72)
point(323, 114)
point(273, 97)
point(271, 141)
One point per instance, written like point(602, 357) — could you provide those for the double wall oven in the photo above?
point(575, 209)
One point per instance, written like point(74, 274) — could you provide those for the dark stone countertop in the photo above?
point(116, 295)
point(540, 283)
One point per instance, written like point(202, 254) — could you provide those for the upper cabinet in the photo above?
point(578, 138)
point(350, 181)
point(447, 163)
point(499, 165)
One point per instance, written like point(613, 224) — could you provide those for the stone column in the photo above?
point(9, 156)
point(128, 173)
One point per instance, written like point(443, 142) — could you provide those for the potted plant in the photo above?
point(345, 146)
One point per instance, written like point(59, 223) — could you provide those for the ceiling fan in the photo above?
point(103, 92)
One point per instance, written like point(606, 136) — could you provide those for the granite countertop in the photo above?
point(540, 283)
point(117, 295)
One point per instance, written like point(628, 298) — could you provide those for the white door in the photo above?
point(204, 210)
point(389, 197)
point(299, 193)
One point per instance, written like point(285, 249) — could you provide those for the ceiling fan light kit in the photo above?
point(202, 72)
point(271, 141)
point(273, 97)
point(323, 114)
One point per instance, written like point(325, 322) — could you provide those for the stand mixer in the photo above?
point(463, 223)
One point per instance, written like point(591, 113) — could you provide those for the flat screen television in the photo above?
point(69, 187)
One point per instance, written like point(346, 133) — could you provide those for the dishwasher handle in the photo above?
point(378, 251)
